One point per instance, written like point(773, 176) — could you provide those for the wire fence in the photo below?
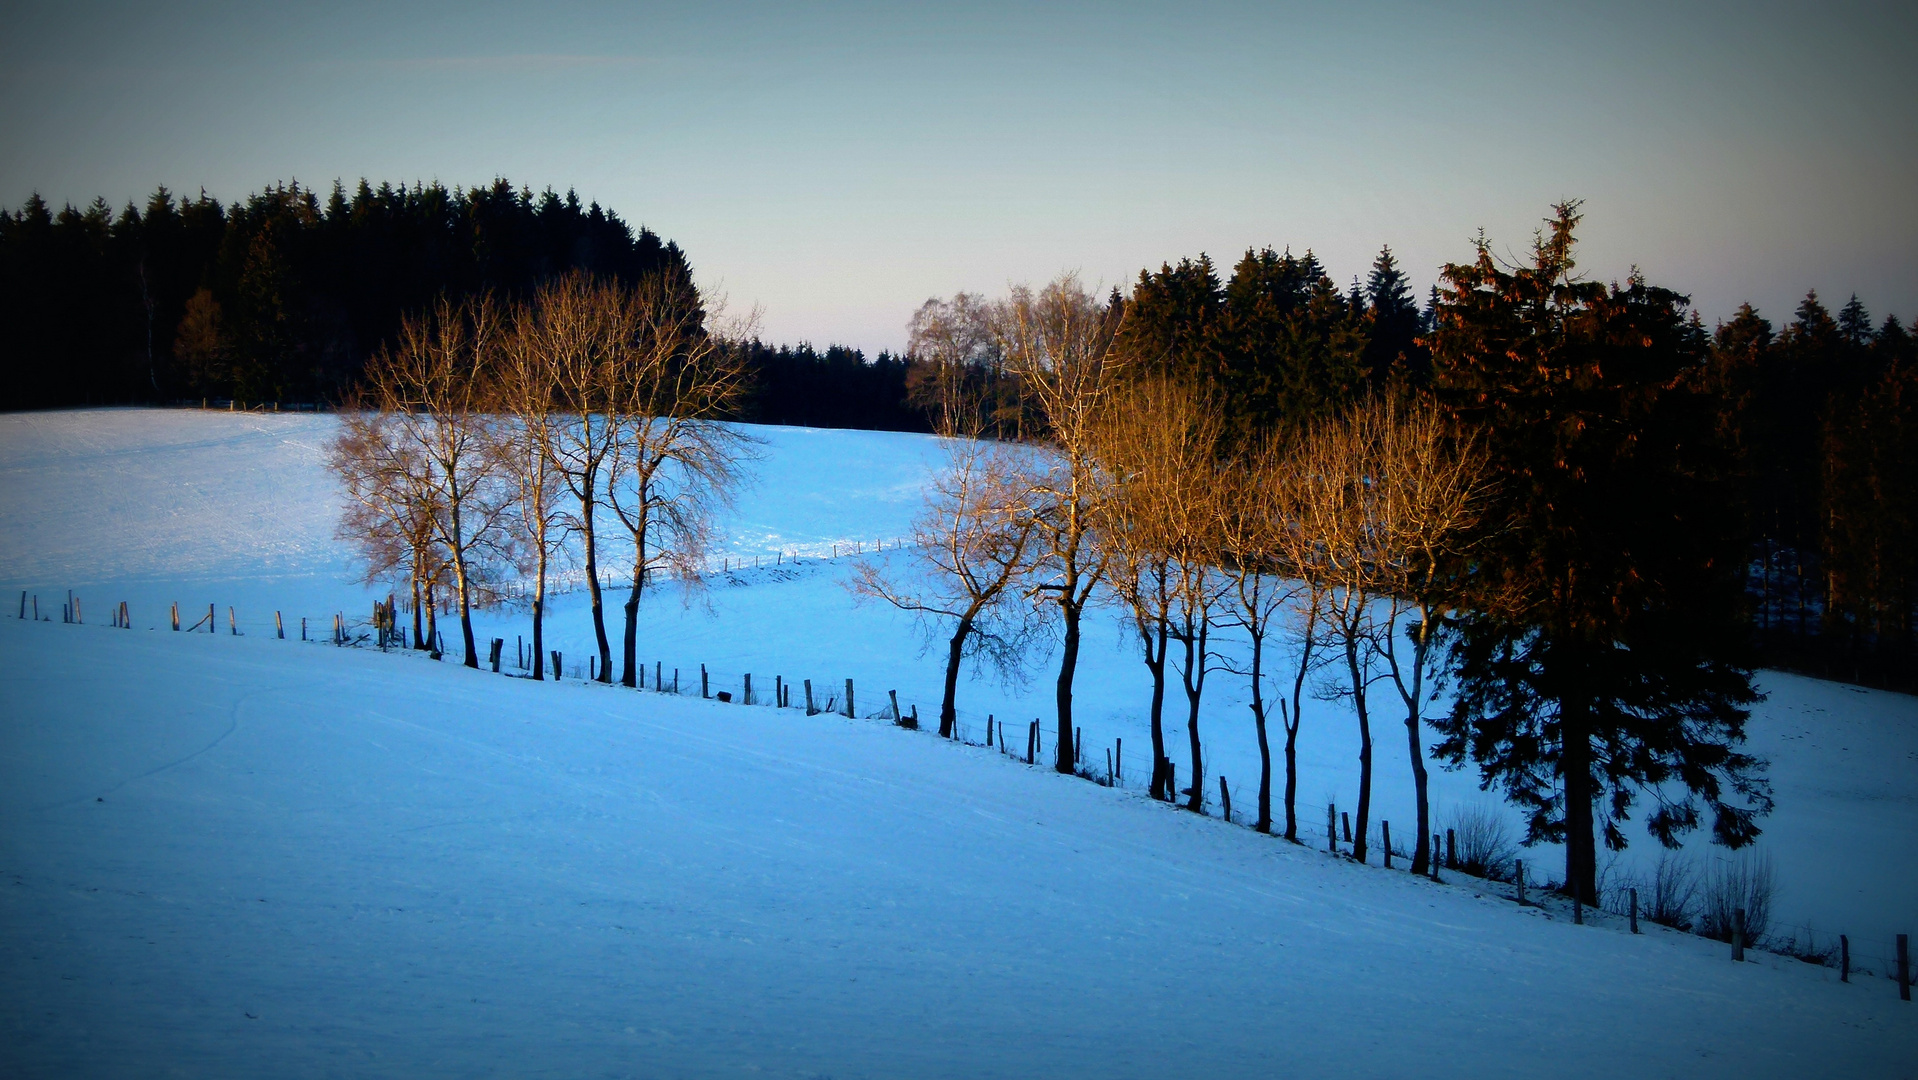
point(1032, 742)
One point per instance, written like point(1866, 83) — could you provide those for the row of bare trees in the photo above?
point(1325, 556)
point(494, 440)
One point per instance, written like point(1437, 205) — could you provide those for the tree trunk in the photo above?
point(1581, 853)
point(1156, 664)
point(1194, 680)
point(465, 588)
point(1068, 665)
point(432, 623)
point(629, 641)
point(955, 652)
point(1264, 823)
point(418, 643)
point(590, 543)
point(539, 612)
point(1365, 748)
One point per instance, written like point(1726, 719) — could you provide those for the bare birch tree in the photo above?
point(527, 393)
point(578, 325)
point(1432, 489)
point(433, 385)
point(1336, 467)
point(392, 511)
point(973, 543)
point(673, 465)
point(1057, 343)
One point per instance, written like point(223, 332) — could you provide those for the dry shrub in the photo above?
point(1485, 847)
point(1730, 884)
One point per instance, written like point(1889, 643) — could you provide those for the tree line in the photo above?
point(282, 297)
point(1521, 496)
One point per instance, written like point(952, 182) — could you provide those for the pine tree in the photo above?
point(1604, 656)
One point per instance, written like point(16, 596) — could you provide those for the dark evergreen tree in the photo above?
point(1604, 658)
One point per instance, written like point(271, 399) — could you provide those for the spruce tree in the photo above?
point(1604, 656)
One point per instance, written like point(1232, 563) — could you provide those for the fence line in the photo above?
point(1030, 742)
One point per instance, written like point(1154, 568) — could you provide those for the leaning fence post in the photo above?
point(1346, 820)
point(1738, 933)
point(1109, 773)
point(1904, 967)
point(896, 718)
point(279, 626)
point(1225, 797)
point(232, 624)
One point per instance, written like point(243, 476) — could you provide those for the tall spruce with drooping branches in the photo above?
point(1619, 671)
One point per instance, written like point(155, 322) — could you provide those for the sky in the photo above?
point(835, 165)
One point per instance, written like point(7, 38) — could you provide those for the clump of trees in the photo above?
point(492, 433)
point(1524, 494)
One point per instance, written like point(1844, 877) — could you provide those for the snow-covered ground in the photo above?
point(246, 857)
point(153, 507)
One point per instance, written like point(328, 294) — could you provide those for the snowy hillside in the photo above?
point(247, 857)
point(575, 788)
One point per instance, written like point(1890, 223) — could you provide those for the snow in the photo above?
point(267, 858)
point(752, 858)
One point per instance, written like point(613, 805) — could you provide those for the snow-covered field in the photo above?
point(400, 867)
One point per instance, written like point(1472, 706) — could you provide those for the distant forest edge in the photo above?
point(282, 298)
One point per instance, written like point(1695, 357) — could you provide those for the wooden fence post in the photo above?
point(850, 714)
point(211, 626)
point(1634, 909)
point(279, 626)
point(896, 718)
point(232, 624)
point(1904, 967)
point(779, 691)
point(1118, 761)
point(499, 646)
point(176, 613)
point(659, 666)
point(810, 710)
point(1519, 875)
point(1738, 934)
point(556, 668)
point(1109, 773)
point(1844, 959)
point(705, 685)
point(1451, 850)
point(747, 699)
point(1331, 827)
point(1385, 827)
point(1032, 740)
point(1346, 820)
point(1225, 797)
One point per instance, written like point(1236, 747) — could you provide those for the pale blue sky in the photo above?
point(838, 164)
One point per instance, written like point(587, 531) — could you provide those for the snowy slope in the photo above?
point(153, 507)
point(247, 857)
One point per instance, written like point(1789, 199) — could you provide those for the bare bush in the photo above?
point(1484, 843)
point(1669, 896)
point(1728, 885)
